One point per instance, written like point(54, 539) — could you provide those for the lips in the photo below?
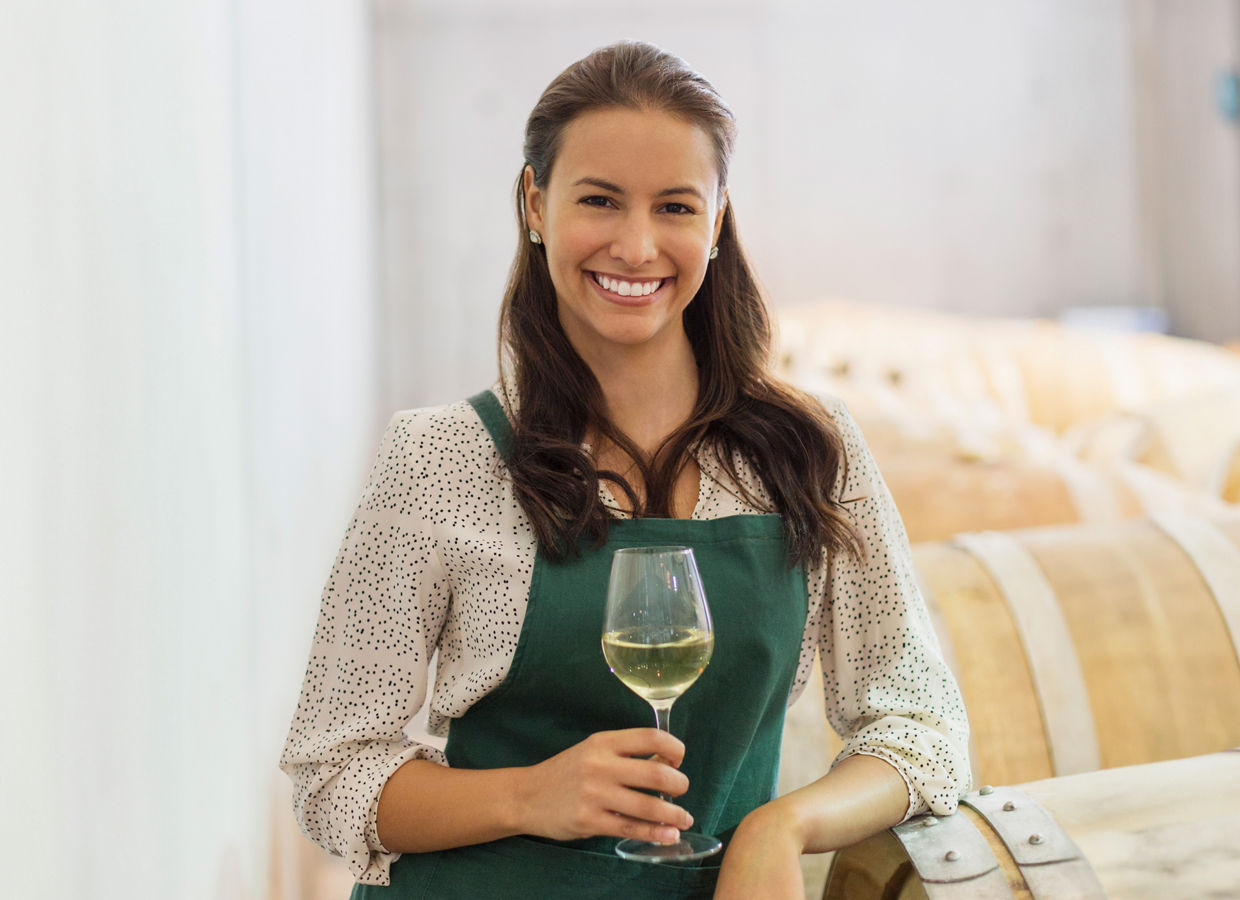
point(622, 287)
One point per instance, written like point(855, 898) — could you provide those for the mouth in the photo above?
point(626, 289)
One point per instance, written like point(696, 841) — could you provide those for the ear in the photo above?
point(723, 207)
point(534, 200)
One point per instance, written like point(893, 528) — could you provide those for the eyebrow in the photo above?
point(616, 189)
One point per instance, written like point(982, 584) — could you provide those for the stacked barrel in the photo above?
point(1072, 501)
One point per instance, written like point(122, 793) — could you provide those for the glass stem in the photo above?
point(662, 718)
point(662, 713)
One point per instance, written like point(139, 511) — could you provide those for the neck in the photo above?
point(649, 392)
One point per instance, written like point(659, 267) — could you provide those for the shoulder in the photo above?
point(839, 416)
point(435, 428)
point(434, 451)
point(836, 408)
point(860, 471)
point(850, 431)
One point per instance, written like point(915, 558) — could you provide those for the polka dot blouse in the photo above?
point(438, 559)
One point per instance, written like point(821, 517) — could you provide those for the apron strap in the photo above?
point(492, 414)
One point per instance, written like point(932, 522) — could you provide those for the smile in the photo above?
point(623, 288)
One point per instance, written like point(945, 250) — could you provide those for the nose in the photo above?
point(635, 243)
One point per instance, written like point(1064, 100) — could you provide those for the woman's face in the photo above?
point(628, 218)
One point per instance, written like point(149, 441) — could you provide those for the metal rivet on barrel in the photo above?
point(952, 855)
point(930, 821)
point(1036, 838)
point(1009, 806)
point(985, 789)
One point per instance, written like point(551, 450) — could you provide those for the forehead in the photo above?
point(636, 150)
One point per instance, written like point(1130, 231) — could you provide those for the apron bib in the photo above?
point(559, 691)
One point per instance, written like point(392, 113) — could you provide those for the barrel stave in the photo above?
point(1160, 669)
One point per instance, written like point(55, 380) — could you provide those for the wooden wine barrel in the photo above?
point(941, 426)
point(1035, 370)
point(1088, 647)
point(843, 348)
point(1195, 439)
point(1076, 648)
point(1139, 662)
point(940, 494)
point(943, 496)
point(1160, 831)
point(1073, 376)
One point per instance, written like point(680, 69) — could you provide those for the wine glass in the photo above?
point(657, 639)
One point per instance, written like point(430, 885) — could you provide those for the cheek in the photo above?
point(571, 246)
point(691, 252)
point(696, 241)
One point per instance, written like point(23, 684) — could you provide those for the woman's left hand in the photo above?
point(763, 859)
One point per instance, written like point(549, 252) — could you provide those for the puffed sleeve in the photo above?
point(380, 616)
point(888, 691)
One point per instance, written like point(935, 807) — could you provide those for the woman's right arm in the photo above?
point(362, 789)
point(380, 614)
point(589, 789)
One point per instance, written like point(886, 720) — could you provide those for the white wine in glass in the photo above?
point(657, 639)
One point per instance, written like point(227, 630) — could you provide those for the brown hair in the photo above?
point(741, 409)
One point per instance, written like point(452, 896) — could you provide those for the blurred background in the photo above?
point(236, 236)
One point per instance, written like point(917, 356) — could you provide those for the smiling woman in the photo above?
point(635, 407)
point(628, 216)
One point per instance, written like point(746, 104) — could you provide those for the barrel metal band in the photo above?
point(1159, 494)
point(1094, 498)
point(1216, 558)
point(952, 858)
point(1053, 662)
point(1049, 860)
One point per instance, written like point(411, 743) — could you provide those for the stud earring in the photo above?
point(535, 237)
point(714, 252)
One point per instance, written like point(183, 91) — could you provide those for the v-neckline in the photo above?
point(609, 500)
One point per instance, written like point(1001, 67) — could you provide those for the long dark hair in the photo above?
point(786, 436)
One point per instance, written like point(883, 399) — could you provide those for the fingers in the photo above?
point(649, 809)
point(643, 818)
point(618, 826)
point(622, 812)
point(647, 742)
point(646, 831)
point(608, 784)
point(651, 775)
point(643, 758)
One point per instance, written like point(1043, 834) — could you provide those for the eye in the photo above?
point(679, 209)
point(596, 200)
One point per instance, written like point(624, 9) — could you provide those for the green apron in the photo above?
point(559, 690)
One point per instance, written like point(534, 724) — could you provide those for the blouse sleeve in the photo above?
point(380, 616)
point(889, 692)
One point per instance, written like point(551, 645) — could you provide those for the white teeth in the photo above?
point(628, 288)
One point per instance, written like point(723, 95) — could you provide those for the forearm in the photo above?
point(599, 786)
point(859, 797)
point(425, 806)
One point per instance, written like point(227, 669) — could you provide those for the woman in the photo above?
point(636, 409)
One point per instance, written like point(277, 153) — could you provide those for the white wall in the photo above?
point(188, 398)
point(1190, 161)
point(961, 154)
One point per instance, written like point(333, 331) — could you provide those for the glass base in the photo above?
point(691, 846)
